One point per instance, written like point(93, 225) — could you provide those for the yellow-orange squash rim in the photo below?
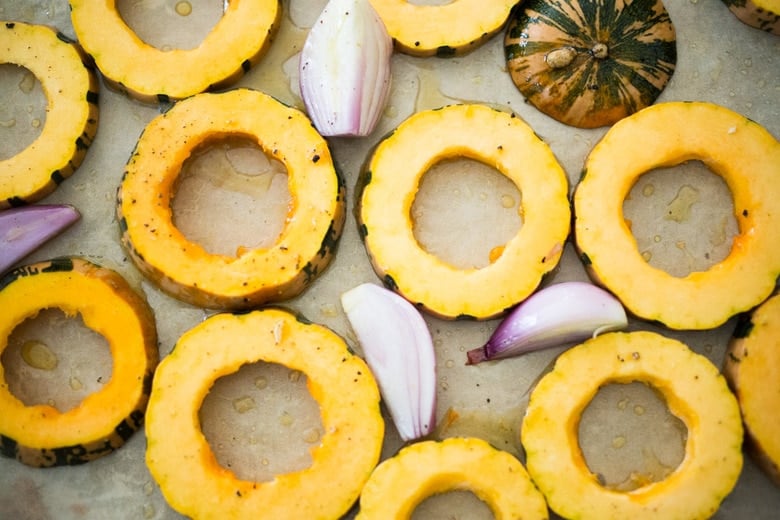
point(254, 276)
point(694, 391)
point(71, 89)
point(180, 459)
point(40, 435)
point(236, 43)
point(738, 149)
point(391, 180)
point(420, 470)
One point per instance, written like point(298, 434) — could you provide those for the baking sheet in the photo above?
point(719, 60)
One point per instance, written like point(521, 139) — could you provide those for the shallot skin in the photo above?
point(26, 228)
point(558, 314)
point(345, 69)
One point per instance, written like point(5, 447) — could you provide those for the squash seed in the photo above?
point(38, 355)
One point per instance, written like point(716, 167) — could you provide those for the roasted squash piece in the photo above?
point(40, 435)
point(752, 368)
point(181, 461)
point(71, 90)
point(730, 145)
point(589, 64)
point(761, 14)
point(390, 181)
point(422, 469)
point(254, 276)
point(694, 391)
point(235, 44)
point(449, 29)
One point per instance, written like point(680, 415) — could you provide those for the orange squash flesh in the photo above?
point(254, 276)
point(694, 391)
point(752, 367)
point(399, 484)
point(71, 90)
point(236, 43)
point(742, 152)
point(40, 435)
point(181, 460)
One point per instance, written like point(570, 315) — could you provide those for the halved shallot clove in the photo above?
point(345, 69)
point(398, 349)
point(26, 228)
point(557, 314)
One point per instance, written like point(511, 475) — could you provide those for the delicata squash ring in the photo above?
point(254, 276)
point(234, 45)
point(742, 152)
point(442, 30)
point(181, 460)
point(391, 179)
point(694, 391)
point(71, 90)
point(399, 484)
point(40, 435)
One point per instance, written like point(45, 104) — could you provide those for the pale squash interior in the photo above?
point(23, 111)
point(261, 421)
point(465, 212)
point(231, 197)
point(56, 360)
point(691, 225)
point(181, 24)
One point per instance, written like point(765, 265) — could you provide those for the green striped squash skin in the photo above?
point(756, 14)
point(590, 63)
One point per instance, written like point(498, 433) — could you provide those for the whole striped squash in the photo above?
point(589, 63)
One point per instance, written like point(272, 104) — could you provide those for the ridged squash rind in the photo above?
point(181, 461)
point(752, 368)
point(236, 43)
point(390, 181)
point(694, 391)
point(422, 469)
point(184, 269)
point(738, 149)
point(589, 64)
point(445, 30)
point(71, 89)
point(761, 14)
point(40, 435)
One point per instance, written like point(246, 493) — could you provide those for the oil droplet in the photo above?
point(445, 386)
point(148, 488)
point(286, 419)
point(75, 383)
point(639, 410)
point(647, 255)
point(243, 404)
point(294, 376)
point(311, 435)
point(27, 82)
point(449, 363)
point(183, 8)
point(618, 442)
point(680, 207)
point(261, 383)
point(507, 201)
point(149, 511)
point(35, 123)
point(622, 404)
point(657, 238)
point(8, 123)
point(38, 355)
point(329, 310)
point(648, 189)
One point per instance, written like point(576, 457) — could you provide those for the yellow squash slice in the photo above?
point(390, 182)
point(449, 29)
point(236, 43)
point(254, 276)
point(694, 391)
point(181, 461)
point(742, 152)
point(40, 435)
point(752, 367)
point(399, 484)
point(71, 90)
